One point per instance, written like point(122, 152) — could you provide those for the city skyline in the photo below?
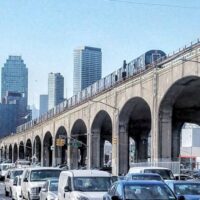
point(46, 35)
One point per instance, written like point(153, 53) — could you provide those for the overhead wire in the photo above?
point(156, 4)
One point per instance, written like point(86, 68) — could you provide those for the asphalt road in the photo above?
point(2, 192)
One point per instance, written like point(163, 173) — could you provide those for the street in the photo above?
point(2, 193)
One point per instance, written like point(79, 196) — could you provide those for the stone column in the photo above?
point(89, 149)
point(53, 152)
point(123, 149)
point(95, 151)
point(165, 135)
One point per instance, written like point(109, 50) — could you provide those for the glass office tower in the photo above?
point(43, 103)
point(55, 89)
point(14, 77)
point(87, 67)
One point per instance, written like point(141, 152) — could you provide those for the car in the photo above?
point(189, 189)
point(182, 177)
point(140, 190)
point(83, 184)
point(34, 178)
point(4, 168)
point(49, 190)
point(22, 163)
point(165, 173)
point(16, 188)
point(144, 176)
point(9, 178)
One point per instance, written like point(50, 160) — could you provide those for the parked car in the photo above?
point(140, 190)
point(189, 189)
point(16, 188)
point(182, 177)
point(83, 184)
point(22, 163)
point(9, 177)
point(165, 173)
point(49, 190)
point(34, 178)
point(4, 168)
point(144, 176)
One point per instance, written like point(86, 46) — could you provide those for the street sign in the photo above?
point(75, 144)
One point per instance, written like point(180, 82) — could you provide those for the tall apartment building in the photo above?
point(87, 67)
point(14, 77)
point(55, 89)
point(43, 103)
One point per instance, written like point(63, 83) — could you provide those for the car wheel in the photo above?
point(6, 193)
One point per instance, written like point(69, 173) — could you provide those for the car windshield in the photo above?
point(148, 191)
point(5, 167)
point(53, 186)
point(92, 183)
point(164, 173)
point(15, 173)
point(144, 177)
point(42, 175)
point(187, 188)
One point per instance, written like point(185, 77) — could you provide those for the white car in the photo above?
point(34, 178)
point(9, 177)
point(49, 190)
point(4, 168)
point(16, 189)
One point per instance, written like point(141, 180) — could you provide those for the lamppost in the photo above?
point(115, 135)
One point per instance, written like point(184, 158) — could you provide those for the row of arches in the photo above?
point(180, 104)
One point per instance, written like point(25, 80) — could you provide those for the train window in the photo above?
point(155, 57)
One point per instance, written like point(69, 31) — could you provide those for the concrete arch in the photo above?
point(47, 151)
point(21, 150)
point(10, 153)
point(61, 146)
point(15, 152)
point(101, 132)
point(180, 104)
point(28, 151)
point(37, 150)
point(134, 132)
point(78, 151)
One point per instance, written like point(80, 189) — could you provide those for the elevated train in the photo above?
point(136, 66)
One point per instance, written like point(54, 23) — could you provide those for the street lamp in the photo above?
point(115, 134)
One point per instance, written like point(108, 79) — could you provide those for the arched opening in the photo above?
point(36, 150)
point(21, 150)
point(134, 133)
point(61, 146)
point(15, 152)
point(10, 153)
point(78, 151)
point(5, 153)
point(28, 150)
point(47, 151)
point(181, 104)
point(101, 140)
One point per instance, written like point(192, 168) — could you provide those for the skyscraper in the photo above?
point(14, 77)
point(43, 103)
point(87, 67)
point(55, 89)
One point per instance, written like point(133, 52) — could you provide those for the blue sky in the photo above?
point(45, 32)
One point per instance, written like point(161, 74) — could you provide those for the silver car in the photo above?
point(49, 190)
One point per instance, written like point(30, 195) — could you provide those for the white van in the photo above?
point(83, 184)
point(165, 173)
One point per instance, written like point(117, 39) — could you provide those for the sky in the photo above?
point(45, 33)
